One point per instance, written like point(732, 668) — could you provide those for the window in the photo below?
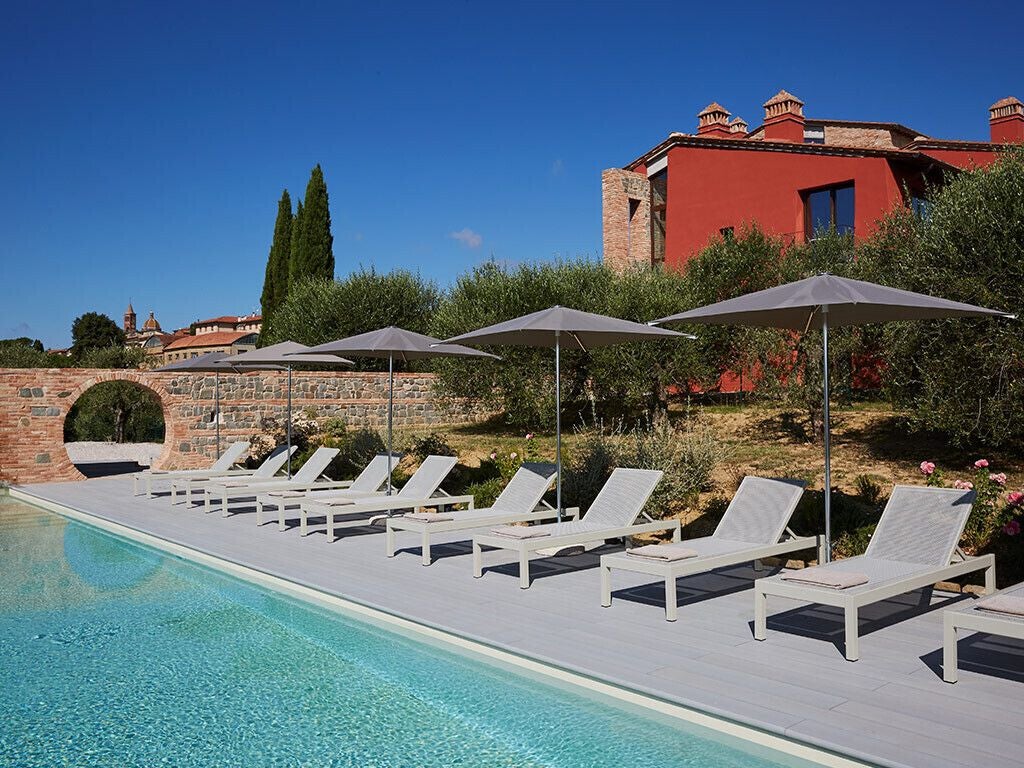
point(659, 208)
point(814, 134)
point(728, 234)
point(921, 208)
point(829, 209)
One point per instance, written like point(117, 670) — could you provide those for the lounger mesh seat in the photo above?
point(247, 487)
point(754, 526)
point(914, 545)
point(222, 465)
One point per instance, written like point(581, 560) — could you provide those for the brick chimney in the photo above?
point(713, 120)
point(1006, 120)
point(784, 118)
point(738, 128)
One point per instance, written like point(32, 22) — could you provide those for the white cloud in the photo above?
point(557, 167)
point(467, 237)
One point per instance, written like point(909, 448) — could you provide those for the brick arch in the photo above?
point(174, 430)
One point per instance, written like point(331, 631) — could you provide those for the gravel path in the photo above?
point(88, 452)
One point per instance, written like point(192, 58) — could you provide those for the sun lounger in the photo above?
point(613, 515)
point(423, 489)
point(367, 483)
point(755, 525)
point(914, 546)
point(222, 466)
point(270, 467)
point(1000, 614)
point(309, 475)
point(520, 501)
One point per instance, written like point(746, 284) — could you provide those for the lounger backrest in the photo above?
point(273, 463)
point(374, 474)
point(526, 488)
point(428, 478)
point(230, 456)
point(315, 465)
point(921, 525)
point(760, 510)
point(622, 498)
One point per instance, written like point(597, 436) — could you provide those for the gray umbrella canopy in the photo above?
point(282, 356)
point(821, 302)
point(211, 362)
point(394, 343)
point(558, 326)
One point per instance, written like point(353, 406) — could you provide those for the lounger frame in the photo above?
point(977, 620)
point(234, 452)
point(370, 511)
point(191, 481)
point(672, 570)
point(852, 602)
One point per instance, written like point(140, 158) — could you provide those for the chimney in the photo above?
point(784, 118)
point(713, 120)
point(738, 128)
point(1006, 121)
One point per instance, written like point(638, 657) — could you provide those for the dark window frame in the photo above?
point(805, 195)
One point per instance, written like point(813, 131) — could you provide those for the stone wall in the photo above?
point(625, 218)
point(35, 401)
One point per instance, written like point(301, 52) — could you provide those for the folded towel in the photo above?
point(1009, 604)
point(157, 471)
point(288, 494)
point(520, 532)
point(429, 517)
point(333, 502)
point(666, 552)
point(826, 577)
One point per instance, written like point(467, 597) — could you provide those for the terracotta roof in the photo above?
point(780, 97)
point(215, 339)
point(713, 107)
point(1009, 101)
point(233, 319)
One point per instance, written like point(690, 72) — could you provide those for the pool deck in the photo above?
point(889, 708)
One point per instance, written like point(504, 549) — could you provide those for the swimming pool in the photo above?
point(117, 654)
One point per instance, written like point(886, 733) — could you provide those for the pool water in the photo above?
point(114, 654)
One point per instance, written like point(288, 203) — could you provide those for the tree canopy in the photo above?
point(94, 331)
point(275, 280)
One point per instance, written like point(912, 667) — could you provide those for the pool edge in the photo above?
point(776, 740)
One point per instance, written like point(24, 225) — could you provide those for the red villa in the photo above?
point(793, 175)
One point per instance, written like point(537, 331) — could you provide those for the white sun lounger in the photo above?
point(613, 515)
point(367, 483)
point(308, 475)
point(270, 467)
point(1000, 614)
point(755, 525)
point(423, 489)
point(914, 546)
point(520, 501)
point(222, 466)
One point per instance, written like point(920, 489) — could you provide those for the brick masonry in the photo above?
point(627, 239)
point(35, 401)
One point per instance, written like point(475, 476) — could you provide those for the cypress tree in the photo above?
point(275, 282)
point(295, 255)
point(316, 254)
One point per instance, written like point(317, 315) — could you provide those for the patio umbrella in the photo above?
point(394, 343)
point(206, 363)
point(278, 357)
point(822, 302)
point(582, 330)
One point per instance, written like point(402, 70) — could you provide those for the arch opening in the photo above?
point(114, 427)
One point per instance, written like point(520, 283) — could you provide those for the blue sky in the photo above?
point(144, 146)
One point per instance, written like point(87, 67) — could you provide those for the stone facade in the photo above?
point(626, 218)
point(35, 401)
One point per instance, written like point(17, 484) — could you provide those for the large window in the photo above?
point(829, 210)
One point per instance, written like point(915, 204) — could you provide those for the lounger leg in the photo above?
point(425, 547)
point(852, 633)
point(389, 539)
point(606, 586)
point(224, 509)
point(677, 534)
point(259, 512)
point(671, 609)
point(207, 499)
point(758, 566)
point(303, 522)
point(149, 486)
point(478, 560)
point(524, 569)
point(760, 614)
point(330, 526)
point(990, 580)
point(280, 514)
point(950, 673)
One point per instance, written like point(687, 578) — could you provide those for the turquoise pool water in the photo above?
point(114, 654)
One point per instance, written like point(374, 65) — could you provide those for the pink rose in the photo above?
point(1012, 528)
point(981, 463)
point(963, 485)
point(529, 435)
point(513, 455)
point(927, 467)
point(1013, 498)
point(999, 479)
point(493, 455)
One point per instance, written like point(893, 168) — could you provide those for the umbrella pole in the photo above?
point(391, 406)
point(289, 422)
point(827, 550)
point(558, 427)
point(216, 406)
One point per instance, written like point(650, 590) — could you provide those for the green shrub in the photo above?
point(586, 468)
point(430, 444)
point(486, 491)
point(869, 488)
